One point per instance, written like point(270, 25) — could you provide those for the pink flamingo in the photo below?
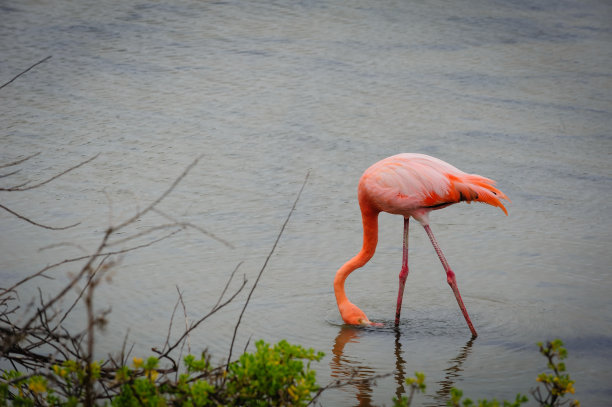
point(411, 185)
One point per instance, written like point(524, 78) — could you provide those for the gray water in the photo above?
point(265, 91)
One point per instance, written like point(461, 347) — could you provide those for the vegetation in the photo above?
point(272, 375)
point(557, 384)
point(415, 384)
point(41, 363)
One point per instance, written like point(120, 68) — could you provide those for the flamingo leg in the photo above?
point(403, 273)
point(450, 278)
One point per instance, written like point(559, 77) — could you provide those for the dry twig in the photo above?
point(26, 70)
point(246, 303)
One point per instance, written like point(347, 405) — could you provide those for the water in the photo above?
point(265, 92)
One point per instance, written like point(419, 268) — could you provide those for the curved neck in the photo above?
point(370, 239)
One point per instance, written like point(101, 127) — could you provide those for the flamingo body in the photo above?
point(411, 185)
point(414, 184)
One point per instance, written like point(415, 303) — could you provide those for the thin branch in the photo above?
point(75, 259)
point(22, 72)
point(89, 396)
point(227, 284)
point(197, 323)
point(74, 167)
point(110, 206)
point(40, 327)
point(87, 284)
point(22, 187)
point(9, 174)
point(159, 199)
point(36, 223)
point(11, 341)
point(218, 305)
point(186, 324)
point(147, 232)
point(246, 345)
point(62, 244)
point(19, 161)
point(178, 301)
point(186, 327)
point(229, 358)
point(196, 227)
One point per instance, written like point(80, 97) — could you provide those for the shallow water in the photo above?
point(265, 92)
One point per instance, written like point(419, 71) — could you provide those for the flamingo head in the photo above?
point(352, 315)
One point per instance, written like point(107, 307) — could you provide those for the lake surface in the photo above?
point(265, 91)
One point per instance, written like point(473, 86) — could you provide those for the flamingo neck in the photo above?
point(370, 239)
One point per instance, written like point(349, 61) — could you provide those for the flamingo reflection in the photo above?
point(451, 375)
point(345, 368)
point(359, 376)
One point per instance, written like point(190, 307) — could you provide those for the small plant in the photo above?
point(273, 376)
point(556, 384)
point(416, 385)
point(138, 386)
point(457, 394)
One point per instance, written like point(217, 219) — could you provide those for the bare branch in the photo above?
point(196, 227)
point(87, 284)
point(186, 327)
point(178, 301)
point(227, 284)
point(23, 342)
point(147, 232)
point(22, 187)
point(153, 204)
point(74, 167)
point(11, 341)
point(9, 174)
point(198, 322)
point(19, 161)
point(22, 72)
point(36, 223)
point(62, 244)
point(75, 259)
point(229, 358)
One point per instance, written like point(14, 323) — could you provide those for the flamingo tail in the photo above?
point(471, 187)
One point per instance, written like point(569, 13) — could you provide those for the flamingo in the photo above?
point(411, 185)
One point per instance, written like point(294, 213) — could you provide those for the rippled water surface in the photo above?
point(517, 91)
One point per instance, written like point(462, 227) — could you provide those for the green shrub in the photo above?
point(273, 376)
point(278, 375)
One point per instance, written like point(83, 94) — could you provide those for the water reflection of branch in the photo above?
point(347, 372)
point(452, 373)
